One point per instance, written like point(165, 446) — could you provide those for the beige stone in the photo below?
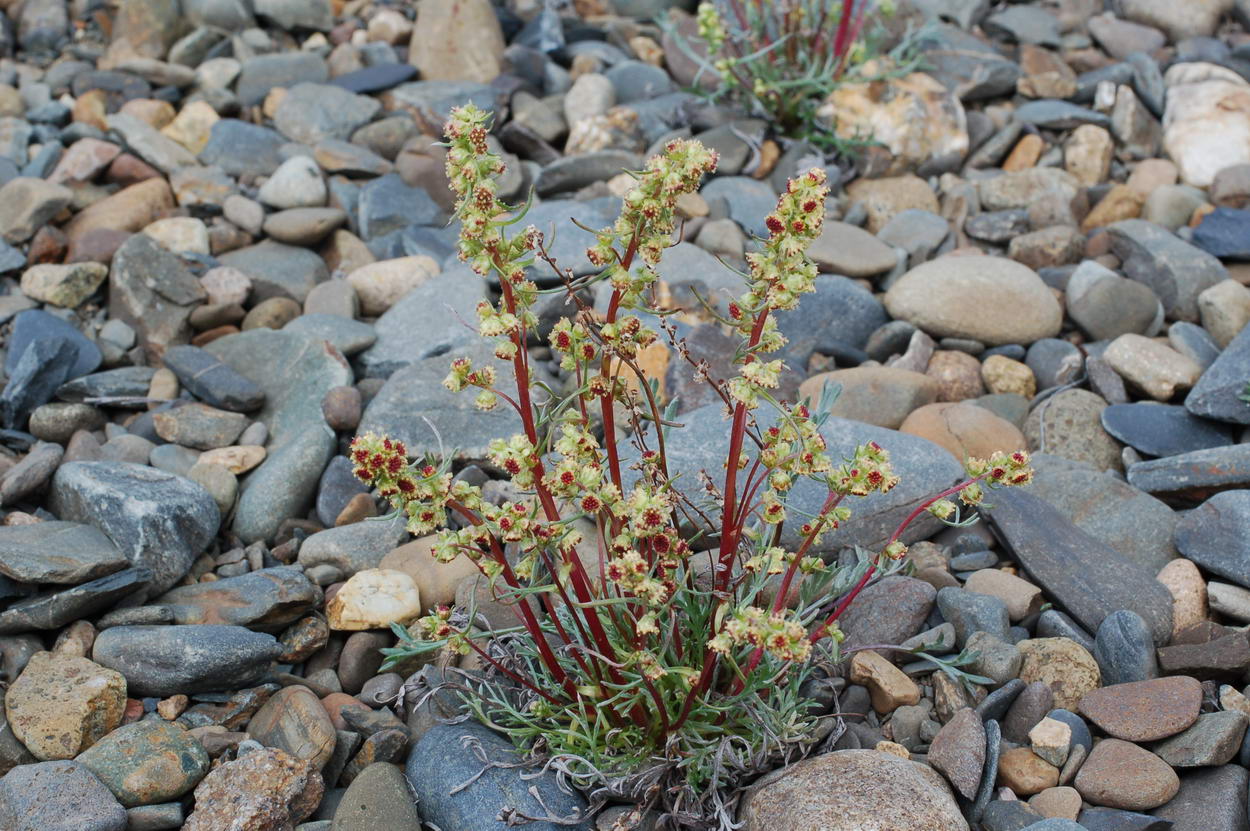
point(1152, 367)
point(1189, 593)
point(193, 126)
point(878, 395)
point(238, 458)
point(1021, 597)
point(61, 705)
point(63, 285)
point(1225, 310)
point(1049, 739)
point(1121, 202)
point(374, 599)
point(1087, 154)
point(1025, 772)
point(1004, 375)
point(884, 198)
point(436, 581)
point(1206, 124)
point(1057, 803)
point(380, 285)
point(459, 41)
point(888, 687)
point(1061, 664)
point(179, 234)
point(964, 430)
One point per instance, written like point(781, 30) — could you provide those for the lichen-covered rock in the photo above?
point(266, 790)
point(61, 705)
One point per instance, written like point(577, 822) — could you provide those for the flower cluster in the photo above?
point(778, 635)
point(421, 493)
point(868, 471)
point(649, 216)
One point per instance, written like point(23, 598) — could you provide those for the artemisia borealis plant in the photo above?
point(641, 662)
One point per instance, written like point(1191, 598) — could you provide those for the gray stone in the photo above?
point(571, 173)
point(1214, 535)
point(1192, 477)
point(1163, 429)
point(348, 336)
point(1025, 24)
point(242, 149)
point(1124, 649)
point(1192, 341)
point(428, 321)
point(337, 486)
point(57, 552)
point(58, 796)
point(430, 102)
point(567, 243)
point(1053, 623)
point(156, 519)
point(146, 142)
point(1087, 577)
point(378, 798)
point(967, 65)
point(388, 204)
point(124, 382)
point(887, 612)
point(1176, 271)
point(283, 69)
point(269, 597)
point(1209, 800)
point(1217, 393)
point(749, 201)
point(1051, 114)
point(207, 378)
point(1110, 819)
point(355, 547)
point(59, 608)
point(837, 315)
point(1213, 739)
point(439, 763)
point(278, 270)
point(970, 612)
point(35, 324)
point(167, 660)
point(310, 113)
point(45, 365)
point(153, 291)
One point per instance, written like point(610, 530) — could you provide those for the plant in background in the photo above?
point(1245, 395)
point(781, 58)
point(660, 655)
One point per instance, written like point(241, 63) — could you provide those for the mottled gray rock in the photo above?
point(1175, 270)
point(1217, 393)
point(1214, 535)
point(167, 660)
point(57, 552)
point(58, 796)
point(1124, 649)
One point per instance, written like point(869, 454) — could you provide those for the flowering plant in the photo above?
point(660, 655)
point(781, 58)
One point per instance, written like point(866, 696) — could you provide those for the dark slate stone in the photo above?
point(283, 69)
point(1008, 815)
point(210, 380)
point(166, 660)
point(1163, 429)
point(57, 552)
point(1080, 730)
point(995, 705)
point(967, 65)
point(1124, 649)
point(56, 609)
point(750, 201)
point(993, 747)
point(1176, 271)
point(124, 382)
point(58, 796)
point(269, 597)
point(1030, 707)
point(1213, 799)
point(431, 102)
point(571, 173)
point(376, 78)
point(243, 149)
point(440, 763)
point(839, 313)
point(430, 320)
point(388, 204)
point(45, 365)
point(887, 612)
point(1194, 342)
point(1148, 81)
point(566, 242)
point(1214, 535)
point(1217, 393)
point(337, 487)
point(1085, 576)
point(1052, 114)
point(1225, 233)
point(1087, 82)
point(1192, 477)
point(1110, 819)
point(11, 259)
point(278, 270)
point(34, 324)
point(156, 519)
point(970, 612)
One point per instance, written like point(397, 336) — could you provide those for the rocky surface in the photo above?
point(225, 250)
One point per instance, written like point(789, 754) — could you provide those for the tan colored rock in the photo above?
point(852, 790)
point(67, 286)
point(1189, 593)
point(878, 395)
point(964, 430)
point(1021, 597)
point(990, 299)
point(61, 705)
point(180, 234)
point(1151, 174)
point(294, 721)
point(1121, 202)
point(1061, 664)
point(1121, 775)
point(1025, 154)
point(1206, 124)
point(1050, 739)
point(266, 789)
point(1087, 154)
point(374, 599)
point(193, 126)
point(380, 285)
point(1231, 699)
point(1144, 711)
point(915, 117)
point(1225, 310)
point(884, 198)
point(237, 458)
point(129, 209)
point(1150, 366)
point(436, 581)
point(1057, 803)
point(888, 686)
point(1004, 375)
point(958, 375)
point(1025, 772)
point(459, 41)
point(1046, 74)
